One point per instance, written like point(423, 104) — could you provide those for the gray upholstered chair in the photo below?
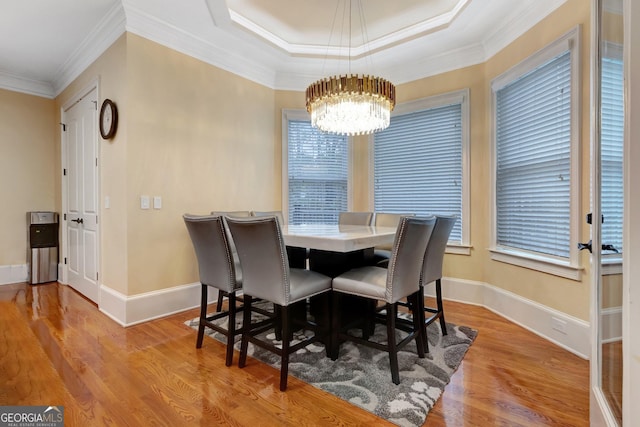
point(236, 262)
point(355, 218)
point(236, 214)
point(382, 253)
point(216, 269)
point(432, 272)
point(277, 214)
point(391, 285)
point(297, 256)
point(267, 276)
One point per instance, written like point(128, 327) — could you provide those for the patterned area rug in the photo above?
point(362, 377)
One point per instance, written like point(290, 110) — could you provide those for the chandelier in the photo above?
point(351, 104)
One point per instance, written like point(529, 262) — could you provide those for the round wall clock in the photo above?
point(108, 119)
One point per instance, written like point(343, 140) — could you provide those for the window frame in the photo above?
point(303, 115)
point(441, 100)
point(570, 267)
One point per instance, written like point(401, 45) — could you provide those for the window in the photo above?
point(419, 161)
point(611, 145)
point(315, 186)
point(536, 160)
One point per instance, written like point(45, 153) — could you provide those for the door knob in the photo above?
point(78, 220)
point(583, 246)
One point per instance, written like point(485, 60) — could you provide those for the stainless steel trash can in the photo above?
point(42, 238)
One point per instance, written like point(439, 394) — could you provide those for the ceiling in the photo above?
point(282, 44)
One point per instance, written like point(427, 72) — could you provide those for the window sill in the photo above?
point(458, 249)
point(539, 263)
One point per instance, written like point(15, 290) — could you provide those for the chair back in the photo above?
point(211, 245)
point(235, 214)
point(355, 218)
point(434, 254)
point(407, 255)
point(263, 257)
point(384, 219)
point(277, 214)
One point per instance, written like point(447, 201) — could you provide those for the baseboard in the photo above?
point(13, 274)
point(566, 331)
point(131, 310)
point(611, 324)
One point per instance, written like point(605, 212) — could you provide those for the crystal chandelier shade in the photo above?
point(351, 105)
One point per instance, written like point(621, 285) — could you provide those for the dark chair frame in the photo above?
point(413, 327)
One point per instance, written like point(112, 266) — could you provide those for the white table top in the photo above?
point(337, 238)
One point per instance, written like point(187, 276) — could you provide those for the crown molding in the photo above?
point(29, 86)
point(95, 44)
point(404, 34)
point(266, 64)
point(516, 25)
point(225, 54)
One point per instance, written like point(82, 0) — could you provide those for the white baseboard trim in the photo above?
point(18, 273)
point(537, 318)
point(611, 324)
point(131, 310)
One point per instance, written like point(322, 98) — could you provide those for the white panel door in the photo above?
point(82, 195)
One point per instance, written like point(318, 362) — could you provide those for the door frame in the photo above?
point(600, 413)
point(631, 244)
point(64, 244)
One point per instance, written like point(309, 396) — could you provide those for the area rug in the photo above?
point(362, 376)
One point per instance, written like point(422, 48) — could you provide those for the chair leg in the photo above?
point(277, 312)
point(422, 318)
point(246, 330)
point(443, 324)
point(231, 329)
point(334, 341)
point(284, 359)
point(391, 343)
point(418, 324)
point(203, 315)
point(220, 300)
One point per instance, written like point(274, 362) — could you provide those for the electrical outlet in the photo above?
point(559, 325)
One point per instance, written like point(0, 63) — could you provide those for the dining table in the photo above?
point(333, 249)
point(337, 238)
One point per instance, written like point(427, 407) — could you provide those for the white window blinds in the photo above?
point(533, 160)
point(418, 164)
point(318, 174)
point(611, 146)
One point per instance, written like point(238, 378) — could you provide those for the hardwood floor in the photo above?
point(58, 349)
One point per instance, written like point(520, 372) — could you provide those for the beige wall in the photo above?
point(27, 168)
point(205, 139)
point(195, 135)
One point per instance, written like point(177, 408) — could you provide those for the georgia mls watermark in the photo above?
point(31, 416)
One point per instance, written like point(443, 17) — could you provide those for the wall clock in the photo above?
point(108, 119)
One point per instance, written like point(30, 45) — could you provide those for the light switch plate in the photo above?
point(157, 202)
point(144, 202)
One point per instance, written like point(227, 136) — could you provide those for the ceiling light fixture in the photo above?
point(351, 104)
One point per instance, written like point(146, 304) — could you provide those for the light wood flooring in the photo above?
point(57, 348)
